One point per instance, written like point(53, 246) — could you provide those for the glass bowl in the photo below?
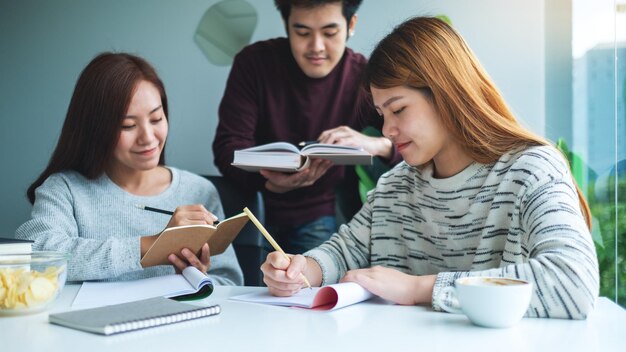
point(30, 282)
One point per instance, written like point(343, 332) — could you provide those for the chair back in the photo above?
point(249, 244)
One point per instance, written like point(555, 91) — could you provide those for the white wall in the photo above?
point(45, 44)
point(507, 36)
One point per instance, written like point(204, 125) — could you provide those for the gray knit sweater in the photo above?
point(518, 218)
point(98, 224)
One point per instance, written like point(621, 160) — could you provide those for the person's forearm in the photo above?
point(313, 272)
point(423, 288)
point(394, 157)
point(384, 148)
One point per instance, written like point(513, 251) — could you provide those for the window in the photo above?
point(599, 130)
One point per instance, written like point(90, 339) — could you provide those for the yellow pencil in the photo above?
point(270, 239)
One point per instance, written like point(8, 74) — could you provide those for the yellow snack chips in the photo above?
point(22, 288)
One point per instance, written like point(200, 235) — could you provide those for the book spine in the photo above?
point(161, 320)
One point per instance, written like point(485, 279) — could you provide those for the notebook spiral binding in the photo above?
point(160, 320)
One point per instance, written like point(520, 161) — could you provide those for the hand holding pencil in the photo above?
point(271, 240)
point(192, 214)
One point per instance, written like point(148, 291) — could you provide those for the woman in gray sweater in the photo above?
point(110, 157)
point(476, 195)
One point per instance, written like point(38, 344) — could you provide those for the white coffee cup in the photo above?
point(493, 302)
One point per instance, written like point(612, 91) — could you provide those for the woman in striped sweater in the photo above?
point(476, 195)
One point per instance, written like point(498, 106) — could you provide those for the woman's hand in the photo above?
point(394, 285)
point(203, 263)
point(285, 278)
point(195, 214)
point(280, 182)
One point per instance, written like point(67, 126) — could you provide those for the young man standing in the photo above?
point(300, 88)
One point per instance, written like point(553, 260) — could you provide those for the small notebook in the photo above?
point(131, 316)
point(193, 237)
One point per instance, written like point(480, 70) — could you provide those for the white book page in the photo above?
point(195, 278)
point(331, 149)
point(329, 297)
point(97, 294)
point(276, 146)
point(304, 298)
point(350, 293)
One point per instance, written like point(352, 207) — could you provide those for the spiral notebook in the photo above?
point(131, 316)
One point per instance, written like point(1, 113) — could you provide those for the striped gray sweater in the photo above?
point(519, 218)
point(97, 223)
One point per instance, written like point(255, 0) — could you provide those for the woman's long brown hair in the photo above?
point(94, 117)
point(426, 53)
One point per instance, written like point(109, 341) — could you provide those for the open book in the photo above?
point(191, 284)
point(329, 297)
point(174, 239)
point(282, 156)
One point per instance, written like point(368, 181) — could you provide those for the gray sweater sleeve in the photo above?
point(97, 224)
point(225, 269)
point(53, 227)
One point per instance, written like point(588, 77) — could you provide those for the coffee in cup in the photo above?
point(493, 302)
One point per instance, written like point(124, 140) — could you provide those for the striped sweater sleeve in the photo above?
point(347, 249)
point(557, 253)
point(527, 199)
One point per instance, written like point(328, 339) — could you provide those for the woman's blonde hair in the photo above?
point(426, 53)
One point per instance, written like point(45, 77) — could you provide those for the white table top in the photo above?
point(368, 326)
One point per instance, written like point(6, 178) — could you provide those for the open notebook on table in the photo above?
point(191, 284)
point(329, 297)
